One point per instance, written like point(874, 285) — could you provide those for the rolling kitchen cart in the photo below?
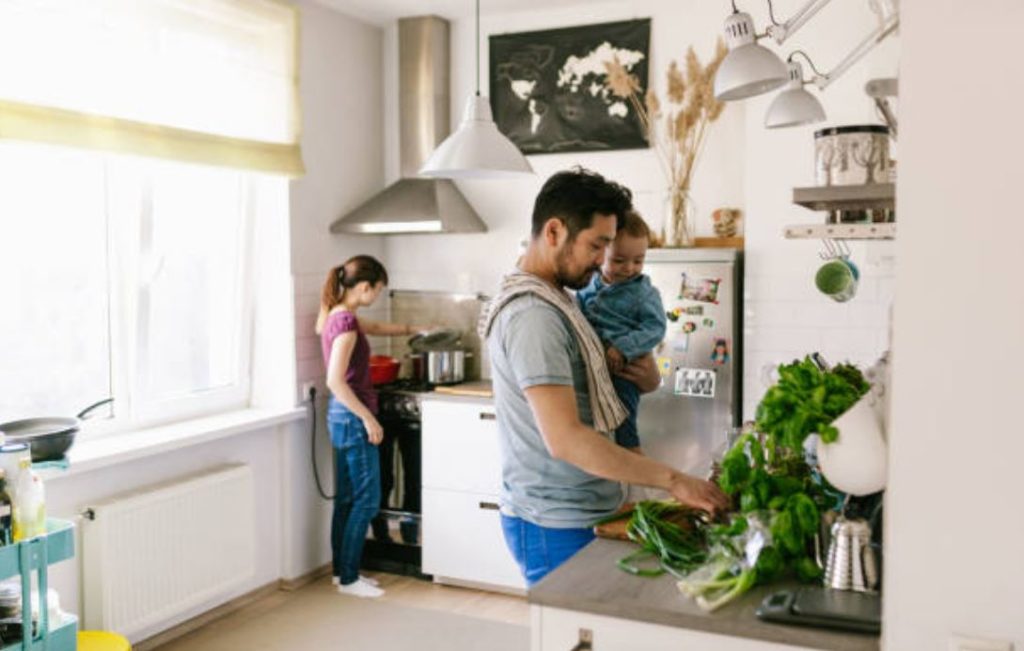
point(35, 555)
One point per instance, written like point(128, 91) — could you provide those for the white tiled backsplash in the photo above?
point(785, 317)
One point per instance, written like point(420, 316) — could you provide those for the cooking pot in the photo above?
point(48, 437)
point(383, 369)
point(440, 366)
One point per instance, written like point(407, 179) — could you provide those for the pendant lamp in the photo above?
point(794, 106)
point(476, 150)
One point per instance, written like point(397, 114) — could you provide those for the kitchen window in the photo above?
point(129, 277)
point(135, 160)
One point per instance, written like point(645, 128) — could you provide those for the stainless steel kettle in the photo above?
point(852, 564)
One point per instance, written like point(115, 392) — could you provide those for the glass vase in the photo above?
point(678, 228)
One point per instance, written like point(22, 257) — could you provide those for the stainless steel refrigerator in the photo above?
point(700, 360)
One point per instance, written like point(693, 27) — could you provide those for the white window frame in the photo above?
point(127, 236)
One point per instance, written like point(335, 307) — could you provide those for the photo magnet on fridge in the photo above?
point(689, 327)
point(702, 290)
point(695, 382)
point(720, 353)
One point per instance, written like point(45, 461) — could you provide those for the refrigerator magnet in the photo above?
point(702, 290)
point(665, 366)
point(695, 310)
point(708, 322)
point(674, 314)
point(681, 343)
point(689, 327)
point(720, 353)
point(695, 382)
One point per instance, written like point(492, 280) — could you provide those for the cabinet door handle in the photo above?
point(489, 506)
point(484, 415)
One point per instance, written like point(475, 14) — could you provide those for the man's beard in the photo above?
point(565, 277)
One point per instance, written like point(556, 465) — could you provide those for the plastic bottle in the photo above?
point(6, 508)
point(29, 513)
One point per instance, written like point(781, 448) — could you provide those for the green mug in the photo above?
point(836, 279)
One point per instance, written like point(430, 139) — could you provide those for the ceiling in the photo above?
point(383, 12)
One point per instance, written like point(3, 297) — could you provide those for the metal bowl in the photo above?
point(48, 447)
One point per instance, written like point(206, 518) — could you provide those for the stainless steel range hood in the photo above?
point(418, 205)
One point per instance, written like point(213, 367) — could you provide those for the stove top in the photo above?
point(401, 399)
point(407, 385)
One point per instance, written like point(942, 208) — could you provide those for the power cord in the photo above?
point(312, 445)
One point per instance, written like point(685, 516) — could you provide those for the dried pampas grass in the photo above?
point(676, 130)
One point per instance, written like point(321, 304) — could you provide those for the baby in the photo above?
point(626, 312)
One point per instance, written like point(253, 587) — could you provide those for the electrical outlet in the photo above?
point(969, 643)
point(305, 389)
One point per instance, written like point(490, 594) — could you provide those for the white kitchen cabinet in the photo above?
point(460, 446)
point(556, 629)
point(462, 537)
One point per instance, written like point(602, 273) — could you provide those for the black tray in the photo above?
point(824, 608)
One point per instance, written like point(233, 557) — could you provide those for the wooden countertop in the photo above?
point(478, 389)
point(590, 582)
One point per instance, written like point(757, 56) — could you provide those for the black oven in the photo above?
point(394, 541)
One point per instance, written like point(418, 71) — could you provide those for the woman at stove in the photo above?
point(352, 410)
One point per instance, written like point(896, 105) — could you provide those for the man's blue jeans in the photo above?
point(357, 494)
point(539, 550)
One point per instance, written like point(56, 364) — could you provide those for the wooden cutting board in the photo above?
point(616, 529)
point(480, 389)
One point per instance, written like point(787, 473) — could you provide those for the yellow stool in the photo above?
point(102, 641)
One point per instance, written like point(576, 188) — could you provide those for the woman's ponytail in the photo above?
point(360, 268)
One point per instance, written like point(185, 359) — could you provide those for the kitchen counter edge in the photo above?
point(590, 582)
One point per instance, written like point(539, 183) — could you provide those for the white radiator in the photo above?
point(154, 554)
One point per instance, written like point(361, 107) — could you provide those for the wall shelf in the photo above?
point(847, 197)
point(882, 231)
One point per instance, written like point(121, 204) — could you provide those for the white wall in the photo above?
point(786, 317)
point(744, 165)
point(342, 135)
point(343, 130)
point(477, 262)
point(953, 520)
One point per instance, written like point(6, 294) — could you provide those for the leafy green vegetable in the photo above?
point(807, 399)
point(775, 496)
point(769, 564)
point(667, 531)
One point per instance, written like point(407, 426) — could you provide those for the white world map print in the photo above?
point(548, 88)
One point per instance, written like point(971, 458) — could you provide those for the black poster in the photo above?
point(548, 88)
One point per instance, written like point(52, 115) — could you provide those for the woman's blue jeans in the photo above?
point(539, 550)
point(357, 493)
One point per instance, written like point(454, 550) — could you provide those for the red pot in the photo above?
point(383, 369)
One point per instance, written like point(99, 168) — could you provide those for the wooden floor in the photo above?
point(399, 591)
point(406, 591)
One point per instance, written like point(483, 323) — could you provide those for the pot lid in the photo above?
point(440, 339)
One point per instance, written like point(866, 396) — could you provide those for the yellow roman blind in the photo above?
point(202, 81)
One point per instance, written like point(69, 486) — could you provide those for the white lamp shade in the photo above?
point(476, 150)
point(748, 70)
point(792, 108)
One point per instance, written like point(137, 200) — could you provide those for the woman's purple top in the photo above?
point(358, 373)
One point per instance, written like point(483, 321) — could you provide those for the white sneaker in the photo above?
point(336, 580)
point(360, 588)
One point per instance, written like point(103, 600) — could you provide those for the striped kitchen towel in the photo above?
point(605, 405)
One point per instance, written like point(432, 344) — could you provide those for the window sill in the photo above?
point(101, 452)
